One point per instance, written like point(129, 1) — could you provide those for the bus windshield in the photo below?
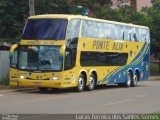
point(40, 58)
point(45, 29)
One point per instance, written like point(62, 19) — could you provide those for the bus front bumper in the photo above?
point(39, 83)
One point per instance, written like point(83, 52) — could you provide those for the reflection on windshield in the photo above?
point(44, 58)
point(48, 57)
point(45, 29)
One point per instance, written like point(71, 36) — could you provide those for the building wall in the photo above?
point(137, 4)
point(116, 3)
point(4, 66)
point(143, 3)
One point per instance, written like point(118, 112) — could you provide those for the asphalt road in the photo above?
point(145, 98)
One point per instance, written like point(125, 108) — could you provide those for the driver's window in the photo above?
point(68, 59)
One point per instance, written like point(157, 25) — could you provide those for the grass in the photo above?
point(3, 87)
point(154, 68)
point(4, 82)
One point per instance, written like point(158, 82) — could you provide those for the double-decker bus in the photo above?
point(62, 51)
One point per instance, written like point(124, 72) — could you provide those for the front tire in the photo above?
point(43, 89)
point(129, 80)
point(92, 82)
point(81, 83)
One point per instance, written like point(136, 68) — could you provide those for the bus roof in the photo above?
point(65, 16)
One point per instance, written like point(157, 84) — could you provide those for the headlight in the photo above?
point(22, 77)
point(55, 78)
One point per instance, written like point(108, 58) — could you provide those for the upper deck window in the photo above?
point(45, 29)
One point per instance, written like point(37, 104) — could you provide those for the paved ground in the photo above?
point(142, 99)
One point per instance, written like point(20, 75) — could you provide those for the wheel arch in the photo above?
point(84, 73)
point(137, 72)
point(130, 71)
point(94, 72)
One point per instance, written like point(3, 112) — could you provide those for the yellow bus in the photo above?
point(63, 51)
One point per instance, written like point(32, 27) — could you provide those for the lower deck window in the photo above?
point(88, 58)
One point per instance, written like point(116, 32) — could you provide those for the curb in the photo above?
point(16, 89)
point(154, 78)
point(5, 90)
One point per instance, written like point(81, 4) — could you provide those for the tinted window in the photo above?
point(45, 29)
point(120, 32)
point(73, 33)
point(145, 35)
point(13, 59)
point(137, 34)
point(93, 29)
point(71, 43)
point(103, 59)
point(73, 29)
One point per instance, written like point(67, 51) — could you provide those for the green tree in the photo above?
point(154, 13)
point(52, 6)
point(13, 15)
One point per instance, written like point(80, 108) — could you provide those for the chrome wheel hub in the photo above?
point(81, 83)
point(91, 82)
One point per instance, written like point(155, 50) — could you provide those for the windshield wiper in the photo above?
point(45, 62)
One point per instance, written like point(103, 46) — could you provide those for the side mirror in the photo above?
point(12, 49)
point(62, 50)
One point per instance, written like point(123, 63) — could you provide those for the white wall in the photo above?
point(4, 65)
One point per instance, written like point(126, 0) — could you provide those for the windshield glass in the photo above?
point(45, 29)
point(40, 58)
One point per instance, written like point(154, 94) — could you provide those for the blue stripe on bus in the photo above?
point(119, 74)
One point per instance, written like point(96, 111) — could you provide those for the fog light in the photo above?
point(55, 78)
point(22, 77)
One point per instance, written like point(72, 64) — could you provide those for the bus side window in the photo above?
point(137, 32)
point(144, 35)
point(113, 31)
point(128, 33)
point(71, 43)
point(84, 28)
point(120, 32)
point(108, 31)
point(148, 36)
point(14, 59)
point(73, 33)
point(68, 59)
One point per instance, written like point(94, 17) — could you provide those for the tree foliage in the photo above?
point(14, 14)
point(154, 13)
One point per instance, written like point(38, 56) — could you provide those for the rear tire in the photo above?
point(92, 82)
point(81, 83)
point(134, 81)
point(121, 84)
point(43, 89)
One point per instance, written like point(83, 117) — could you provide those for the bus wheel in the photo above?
point(81, 83)
point(43, 89)
point(129, 80)
point(92, 81)
point(134, 81)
